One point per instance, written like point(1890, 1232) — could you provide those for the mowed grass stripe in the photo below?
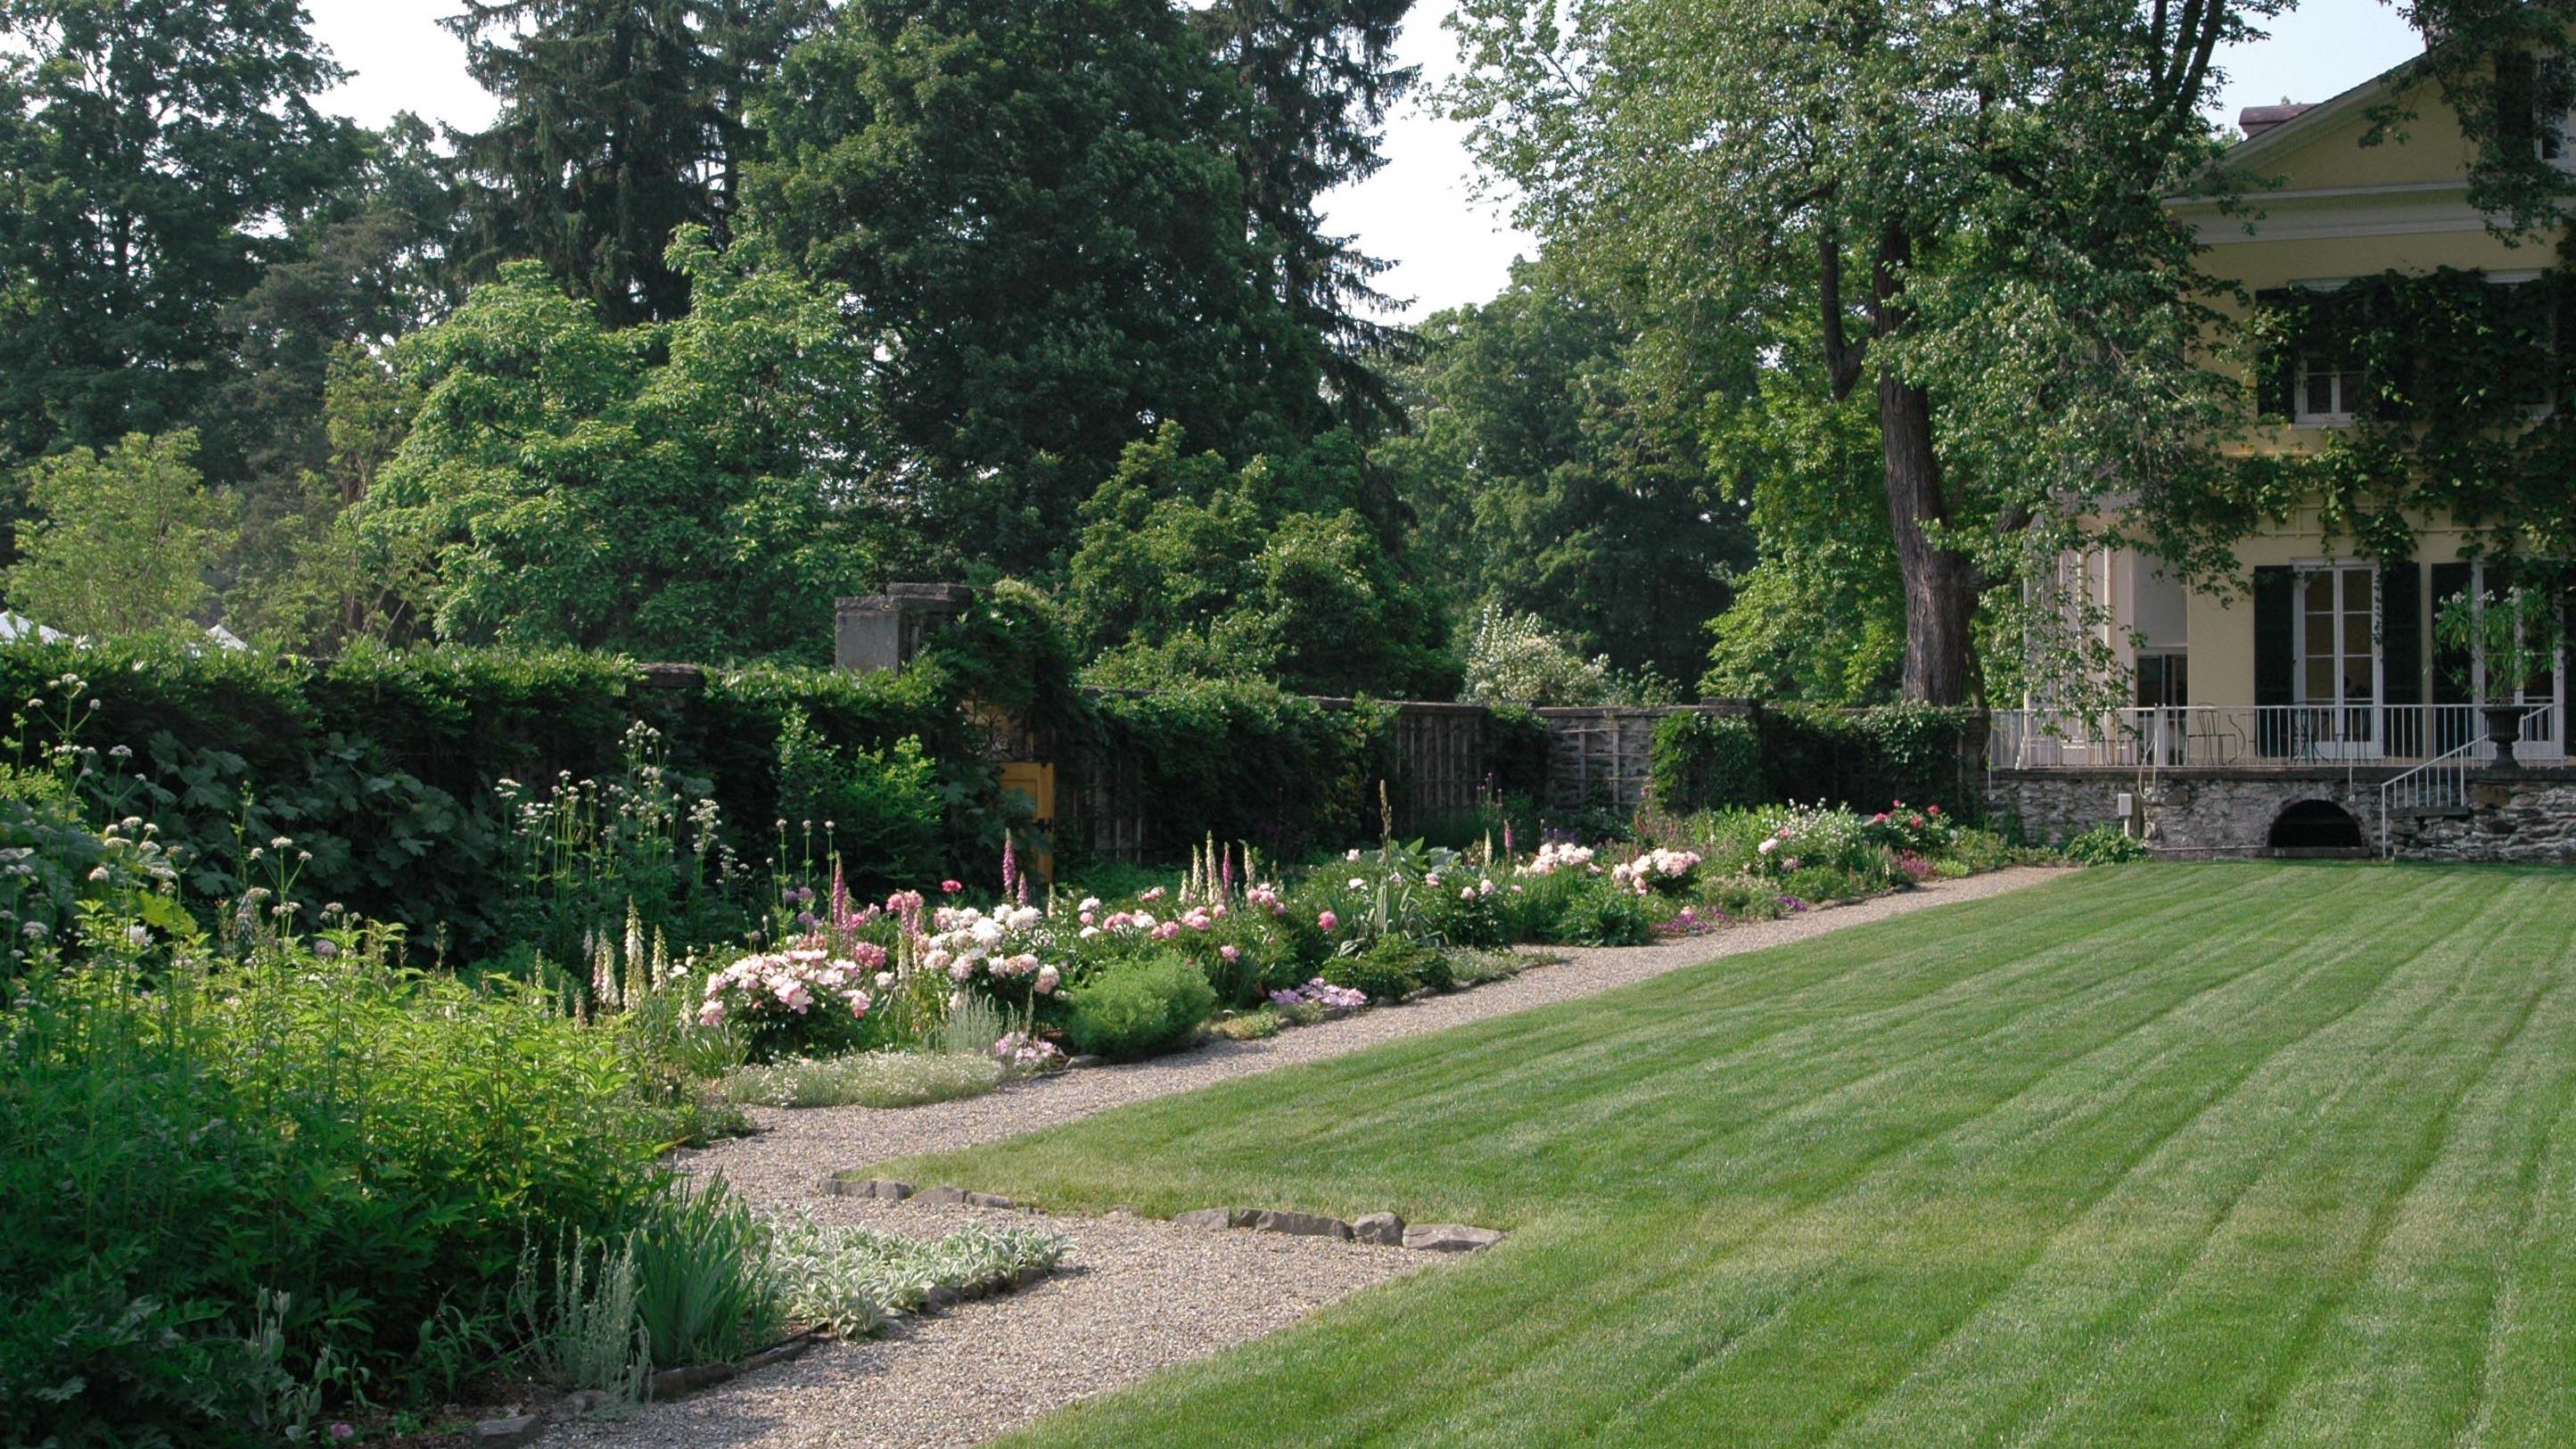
point(2158, 1156)
point(2023, 1168)
point(1596, 1061)
point(2403, 1361)
point(2199, 1366)
point(2527, 1397)
point(2133, 1237)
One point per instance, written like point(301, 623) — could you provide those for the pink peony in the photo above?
point(951, 887)
point(1328, 921)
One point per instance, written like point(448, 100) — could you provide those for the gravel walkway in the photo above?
point(794, 1149)
point(1135, 1294)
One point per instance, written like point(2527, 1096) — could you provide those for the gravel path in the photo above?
point(1135, 1294)
point(794, 1149)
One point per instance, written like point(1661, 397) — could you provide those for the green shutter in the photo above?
point(2276, 597)
point(2450, 664)
point(2401, 654)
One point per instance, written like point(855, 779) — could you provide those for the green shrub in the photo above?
point(1393, 967)
point(1605, 915)
point(383, 766)
point(1137, 1008)
point(1865, 758)
point(178, 1150)
point(2105, 845)
point(1980, 850)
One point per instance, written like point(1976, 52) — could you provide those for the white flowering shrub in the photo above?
point(802, 1000)
point(1513, 659)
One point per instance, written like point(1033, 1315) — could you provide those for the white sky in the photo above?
point(1447, 247)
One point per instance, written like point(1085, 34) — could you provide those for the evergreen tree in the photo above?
point(155, 155)
point(1038, 234)
point(1314, 82)
point(620, 123)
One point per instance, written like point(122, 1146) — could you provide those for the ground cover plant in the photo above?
point(2155, 1155)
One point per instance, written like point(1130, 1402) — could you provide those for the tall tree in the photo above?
point(620, 123)
point(1314, 82)
point(154, 155)
point(1959, 204)
point(689, 489)
point(1039, 235)
point(1189, 567)
point(1555, 468)
point(372, 261)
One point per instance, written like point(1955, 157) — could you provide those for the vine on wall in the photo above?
point(2465, 408)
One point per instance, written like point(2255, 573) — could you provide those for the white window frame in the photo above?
point(2340, 415)
point(2335, 742)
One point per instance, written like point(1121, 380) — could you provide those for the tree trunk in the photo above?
point(1940, 583)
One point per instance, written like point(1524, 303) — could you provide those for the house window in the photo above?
point(2338, 658)
point(2164, 681)
point(2328, 388)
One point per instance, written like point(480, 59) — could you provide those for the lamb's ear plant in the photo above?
point(582, 1328)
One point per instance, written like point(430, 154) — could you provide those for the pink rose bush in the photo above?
point(1660, 869)
point(802, 999)
point(1559, 855)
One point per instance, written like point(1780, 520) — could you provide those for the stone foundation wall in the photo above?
point(2519, 815)
point(2528, 815)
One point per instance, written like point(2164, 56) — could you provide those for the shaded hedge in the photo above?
point(1244, 761)
point(382, 764)
point(1861, 758)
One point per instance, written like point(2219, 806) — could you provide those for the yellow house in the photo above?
point(2323, 657)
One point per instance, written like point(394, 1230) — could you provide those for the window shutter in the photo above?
point(2561, 341)
point(2277, 369)
point(2276, 595)
point(2401, 630)
point(2450, 665)
point(2401, 653)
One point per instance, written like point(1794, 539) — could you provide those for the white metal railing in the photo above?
point(2440, 783)
point(2258, 736)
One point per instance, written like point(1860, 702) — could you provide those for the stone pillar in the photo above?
point(885, 631)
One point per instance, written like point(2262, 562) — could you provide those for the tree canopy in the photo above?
point(670, 489)
point(1950, 208)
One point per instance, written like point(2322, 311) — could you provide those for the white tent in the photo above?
point(15, 627)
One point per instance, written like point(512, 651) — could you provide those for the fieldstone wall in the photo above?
point(2520, 815)
point(2524, 815)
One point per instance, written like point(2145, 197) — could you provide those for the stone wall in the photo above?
point(2521, 815)
point(2524, 815)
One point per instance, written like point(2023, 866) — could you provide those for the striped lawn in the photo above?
point(2212, 1154)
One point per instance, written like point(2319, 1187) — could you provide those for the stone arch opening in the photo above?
point(2316, 825)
